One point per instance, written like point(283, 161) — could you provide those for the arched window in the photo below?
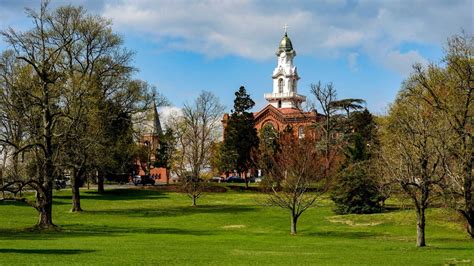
point(293, 85)
point(281, 83)
point(300, 132)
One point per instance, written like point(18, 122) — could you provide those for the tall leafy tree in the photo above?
point(348, 104)
point(449, 90)
point(240, 135)
point(414, 149)
point(64, 69)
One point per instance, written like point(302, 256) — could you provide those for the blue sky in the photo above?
point(366, 48)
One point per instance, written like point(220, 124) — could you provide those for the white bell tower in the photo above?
point(285, 78)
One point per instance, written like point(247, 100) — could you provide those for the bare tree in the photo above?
point(196, 130)
point(325, 98)
point(296, 167)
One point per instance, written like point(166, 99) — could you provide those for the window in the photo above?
point(280, 85)
point(293, 85)
point(300, 132)
point(279, 104)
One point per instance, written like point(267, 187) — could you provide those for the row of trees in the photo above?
point(66, 103)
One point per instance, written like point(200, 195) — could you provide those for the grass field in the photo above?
point(151, 227)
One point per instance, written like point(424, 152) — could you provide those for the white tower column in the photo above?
point(285, 78)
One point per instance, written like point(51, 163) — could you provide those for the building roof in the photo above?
point(285, 45)
point(287, 114)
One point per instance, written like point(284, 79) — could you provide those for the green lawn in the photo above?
point(135, 226)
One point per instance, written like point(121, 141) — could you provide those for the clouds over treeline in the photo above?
point(381, 30)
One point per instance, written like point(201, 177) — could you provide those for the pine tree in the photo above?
point(240, 134)
point(356, 190)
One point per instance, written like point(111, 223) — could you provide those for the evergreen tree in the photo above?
point(165, 151)
point(269, 146)
point(241, 136)
point(356, 190)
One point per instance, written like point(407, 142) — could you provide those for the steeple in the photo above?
point(285, 77)
point(157, 131)
point(285, 44)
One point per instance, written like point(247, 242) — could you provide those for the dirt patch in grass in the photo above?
point(234, 226)
point(338, 219)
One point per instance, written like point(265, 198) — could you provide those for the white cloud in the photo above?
point(341, 38)
point(352, 61)
point(252, 28)
point(403, 62)
point(168, 113)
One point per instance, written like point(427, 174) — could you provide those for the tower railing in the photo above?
point(284, 95)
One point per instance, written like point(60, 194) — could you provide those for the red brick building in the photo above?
point(284, 103)
point(150, 132)
point(284, 110)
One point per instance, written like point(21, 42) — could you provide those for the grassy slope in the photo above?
point(227, 228)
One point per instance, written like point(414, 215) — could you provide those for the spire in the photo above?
point(157, 131)
point(285, 77)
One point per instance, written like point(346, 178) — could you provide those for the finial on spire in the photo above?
point(285, 28)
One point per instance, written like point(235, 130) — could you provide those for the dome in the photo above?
point(285, 45)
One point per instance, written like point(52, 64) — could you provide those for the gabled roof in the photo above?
point(285, 115)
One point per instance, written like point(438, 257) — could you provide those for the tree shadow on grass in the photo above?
point(16, 203)
point(343, 234)
point(22, 203)
point(121, 230)
point(434, 247)
point(45, 251)
point(119, 194)
point(73, 231)
point(176, 211)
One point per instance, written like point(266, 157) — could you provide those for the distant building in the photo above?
point(149, 128)
point(283, 110)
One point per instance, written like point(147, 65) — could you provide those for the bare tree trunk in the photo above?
point(468, 211)
point(194, 200)
point(45, 209)
point(4, 163)
point(45, 198)
point(470, 227)
point(76, 196)
point(420, 227)
point(100, 183)
point(167, 176)
point(470, 221)
point(294, 221)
